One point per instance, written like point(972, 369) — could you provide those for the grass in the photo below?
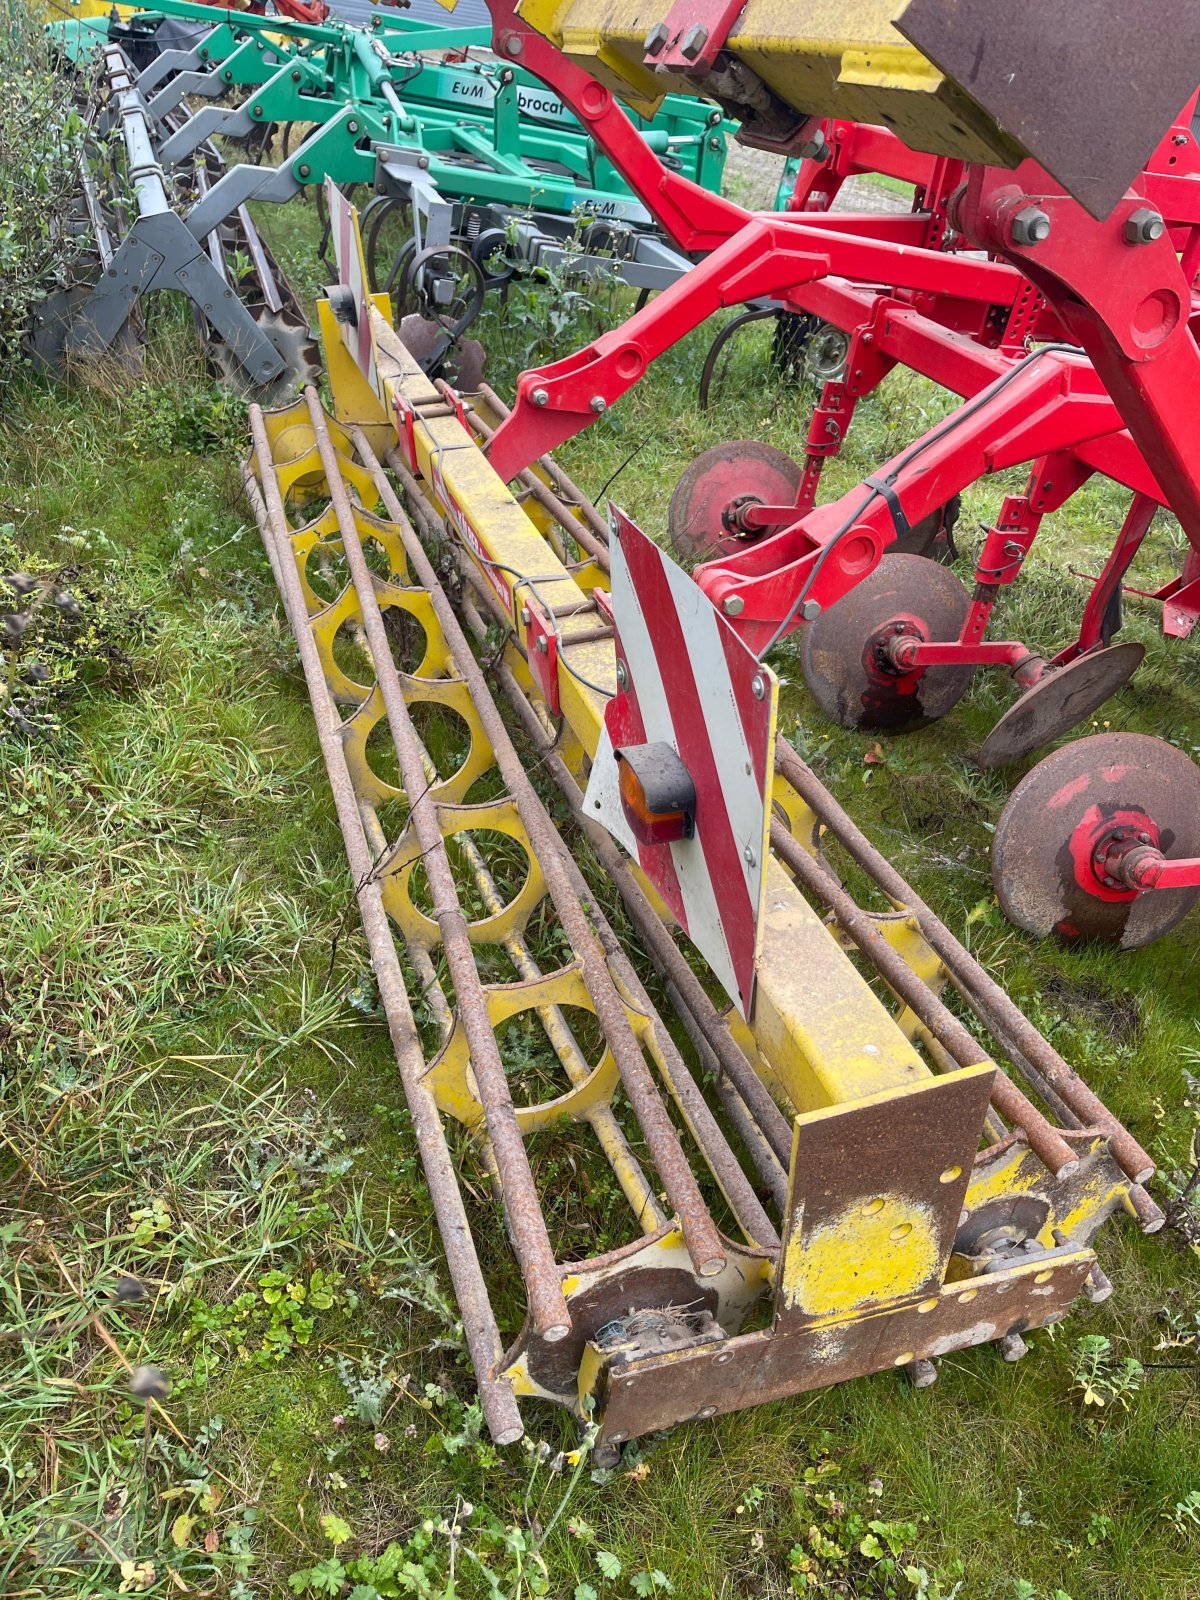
point(198, 1094)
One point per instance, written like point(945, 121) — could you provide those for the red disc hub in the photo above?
point(1110, 853)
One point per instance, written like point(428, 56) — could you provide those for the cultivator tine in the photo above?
point(176, 233)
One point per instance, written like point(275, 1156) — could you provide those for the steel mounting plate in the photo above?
point(1087, 87)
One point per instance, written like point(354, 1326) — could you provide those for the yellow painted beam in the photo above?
point(839, 58)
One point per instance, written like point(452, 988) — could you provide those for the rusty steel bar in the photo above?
point(612, 1141)
point(1045, 1139)
point(531, 1241)
point(577, 500)
point(772, 1175)
point(986, 998)
point(479, 1325)
point(666, 955)
point(700, 1233)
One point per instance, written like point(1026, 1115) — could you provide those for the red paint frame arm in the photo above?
point(694, 218)
point(772, 256)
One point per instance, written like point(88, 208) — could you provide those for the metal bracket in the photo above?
point(692, 35)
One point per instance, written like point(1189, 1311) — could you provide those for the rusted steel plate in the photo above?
point(662, 1391)
point(877, 1191)
point(1088, 87)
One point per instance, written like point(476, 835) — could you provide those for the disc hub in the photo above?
point(1123, 857)
point(732, 519)
point(891, 651)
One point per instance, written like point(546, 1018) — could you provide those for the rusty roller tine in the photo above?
point(531, 1241)
point(986, 998)
point(686, 1093)
point(1045, 1139)
point(666, 955)
point(626, 1167)
point(700, 1232)
point(479, 1325)
point(577, 500)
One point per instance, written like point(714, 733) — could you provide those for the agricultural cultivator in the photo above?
point(830, 1184)
point(146, 226)
point(477, 169)
point(1059, 308)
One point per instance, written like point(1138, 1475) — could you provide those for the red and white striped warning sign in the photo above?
point(352, 273)
point(690, 682)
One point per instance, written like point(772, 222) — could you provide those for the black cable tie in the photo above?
point(899, 521)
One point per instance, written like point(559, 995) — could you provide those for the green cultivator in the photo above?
point(477, 170)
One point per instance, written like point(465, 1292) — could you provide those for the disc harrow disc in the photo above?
point(844, 649)
point(1059, 703)
point(461, 362)
point(1045, 843)
point(720, 480)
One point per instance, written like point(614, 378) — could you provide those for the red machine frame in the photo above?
point(1114, 396)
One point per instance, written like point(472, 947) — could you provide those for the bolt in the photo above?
point(816, 148)
point(1031, 226)
point(725, 1356)
point(706, 1411)
point(923, 1374)
point(733, 606)
point(540, 397)
point(614, 527)
point(759, 686)
point(810, 610)
point(304, 170)
point(257, 111)
point(1097, 1286)
point(748, 856)
point(655, 41)
point(1179, 138)
point(513, 45)
point(598, 403)
point(693, 42)
point(352, 126)
point(1013, 1347)
point(525, 615)
point(622, 674)
point(542, 647)
point(1144, 226)
point(423, 163)
point(295, 77)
